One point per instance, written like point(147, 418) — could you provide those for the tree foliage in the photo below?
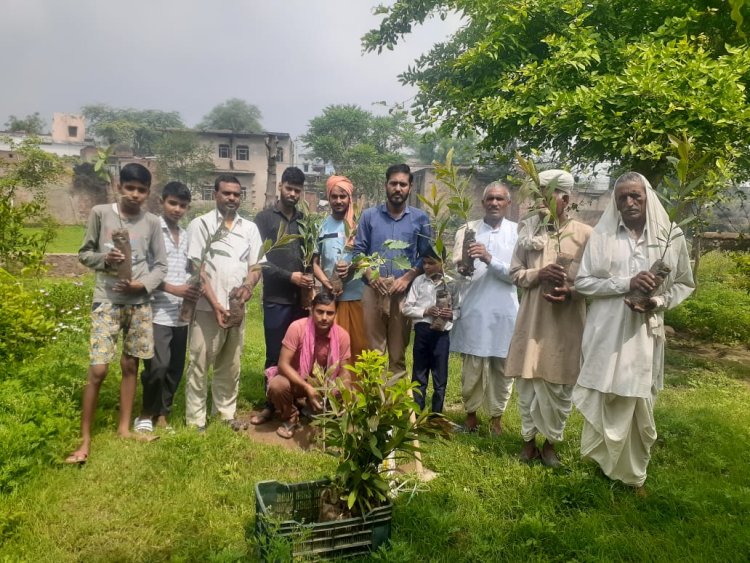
point(180, 156)
point(139, 129)
point(32, 124)
point(360, 144)
point(601, 80)
point(31, 169)
point(235, 115)
point(434, 146)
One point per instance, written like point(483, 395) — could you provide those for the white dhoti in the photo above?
point(618, 433)
point(544, 408)
point(483, 381)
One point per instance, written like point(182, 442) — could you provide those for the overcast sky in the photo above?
point(291, 58)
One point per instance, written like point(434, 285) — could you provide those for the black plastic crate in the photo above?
point(291, 511)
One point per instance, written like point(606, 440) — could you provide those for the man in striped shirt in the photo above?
point(162, 374)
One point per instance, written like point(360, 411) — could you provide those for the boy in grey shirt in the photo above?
point(120, 304)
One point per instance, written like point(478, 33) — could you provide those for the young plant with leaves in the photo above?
point(545, 214)
point(367, 422)
point(460, 204)
point(310, 229)
point(391, 259)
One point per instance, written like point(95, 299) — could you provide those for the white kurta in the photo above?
point(623, 351)
point(489, 303)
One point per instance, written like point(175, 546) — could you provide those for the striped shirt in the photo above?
point(165, 306)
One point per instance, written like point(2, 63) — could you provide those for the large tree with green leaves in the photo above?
point(360, 144)
point(589, 81)
point(136, 128)
point(32, 124)
point(235, 115)
point(180, 156)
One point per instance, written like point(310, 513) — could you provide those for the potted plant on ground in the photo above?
point(365, 422)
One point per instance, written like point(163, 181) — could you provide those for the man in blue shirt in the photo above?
point(386, 326)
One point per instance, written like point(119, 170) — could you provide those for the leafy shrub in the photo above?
point(24, 324)
point(719, 310)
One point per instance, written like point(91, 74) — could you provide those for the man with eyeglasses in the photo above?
point(388, 329)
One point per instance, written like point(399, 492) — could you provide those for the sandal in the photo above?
point(262, 417)
point(76, 458)
point(143, 425)
point(286, 430)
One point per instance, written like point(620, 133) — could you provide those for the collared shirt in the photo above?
point(377, 226)
point(422, 295)
point(332, 248)
point(242, 245)
point(281, 262)
point(164, 305)
point(489, 302)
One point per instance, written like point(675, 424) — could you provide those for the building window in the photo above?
point(72, 131)
point(279, 154)
point(207, 193)
point(243, 191)
point(243, 152)
point(224, 151)
point(306, 167)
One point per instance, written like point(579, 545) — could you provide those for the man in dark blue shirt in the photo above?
point(387, 328)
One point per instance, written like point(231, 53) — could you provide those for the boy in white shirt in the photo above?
point(432, 324)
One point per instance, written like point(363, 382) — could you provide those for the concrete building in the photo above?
point(245, 156)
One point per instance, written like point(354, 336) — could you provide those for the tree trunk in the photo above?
point(272, 144)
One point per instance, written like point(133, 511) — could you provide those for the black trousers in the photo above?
point(276, 321)
point(431, 349)
point(162, 374)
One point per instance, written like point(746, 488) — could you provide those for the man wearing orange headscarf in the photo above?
point(332, 264)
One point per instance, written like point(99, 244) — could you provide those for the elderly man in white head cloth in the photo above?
point(545, 351)
point(623, 341)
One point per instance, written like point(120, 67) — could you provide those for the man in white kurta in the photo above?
point(623, 344)
point(545, 350)
point(488, 311)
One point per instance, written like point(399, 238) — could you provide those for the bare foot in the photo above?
point(137, 437)
point(496, 425)
point(161, 421)
point(471, 423)
point(640, 492)
point(262, 417)
point(529, 451)
point(549, 455)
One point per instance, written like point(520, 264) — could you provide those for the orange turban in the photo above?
point(345, 184)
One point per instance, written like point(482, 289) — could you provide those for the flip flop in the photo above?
point(76, 458)
point(143, 425)
point(286, 430)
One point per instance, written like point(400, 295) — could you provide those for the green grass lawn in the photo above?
point(68, 238)
point(189, 497)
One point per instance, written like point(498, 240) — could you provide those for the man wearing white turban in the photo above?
point(545, 350)
point(623, 341)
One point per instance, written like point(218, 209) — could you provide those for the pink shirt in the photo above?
point(293, 341)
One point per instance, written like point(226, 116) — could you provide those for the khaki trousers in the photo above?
point(211, 345)
point(349, 316)
point(544, 408)
point(387, 333)
point(483, 381)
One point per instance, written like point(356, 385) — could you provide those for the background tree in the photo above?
point(31, 170)
point(238, 116)
point(434, 146)
point(601, 80)
point(359, 144)
point(139, 129)
point(32, 124)
point(180, 156)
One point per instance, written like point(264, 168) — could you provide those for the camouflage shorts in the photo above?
point(108, 319)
